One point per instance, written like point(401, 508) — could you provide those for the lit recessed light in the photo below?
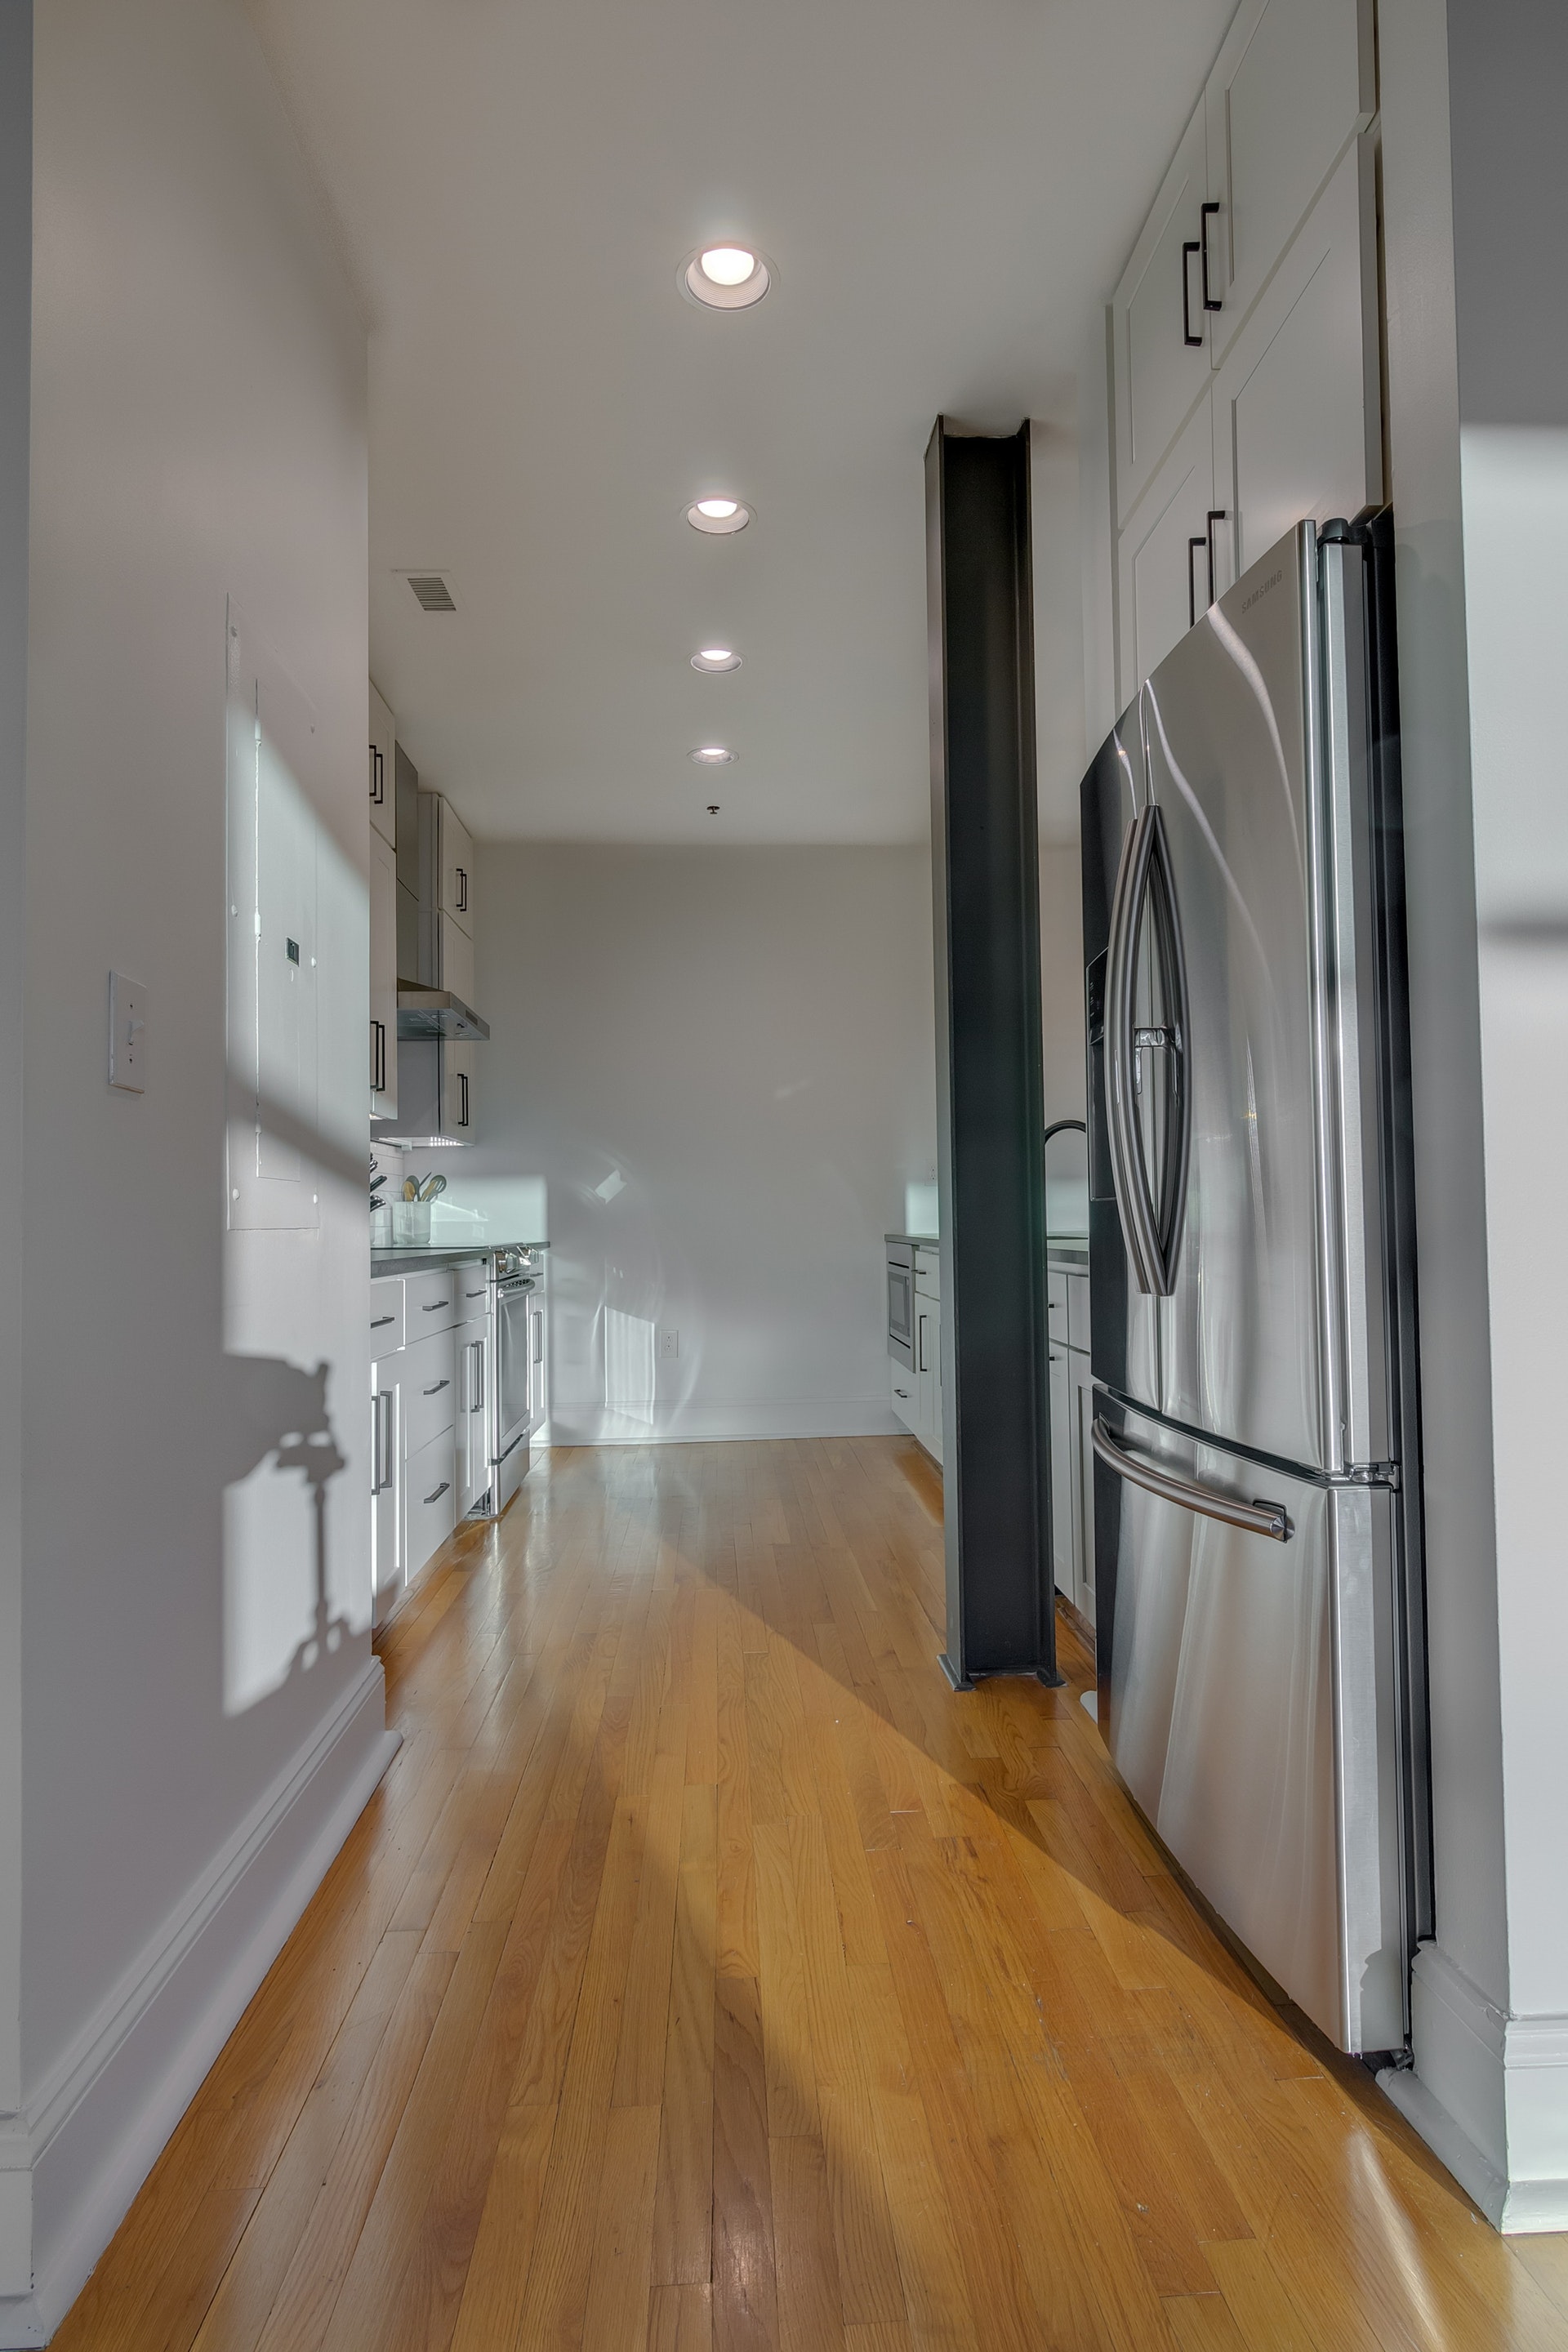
point(725, 277)
point(714, 657)
point(718, 516)
point(713, 755)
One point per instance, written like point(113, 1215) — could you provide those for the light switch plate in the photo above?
point(670, 1343)
point(127, 1035)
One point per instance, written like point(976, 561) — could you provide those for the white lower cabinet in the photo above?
point(1083, 1481)
point(429, 1448)
point(916, 1395)
point(906, 1390)
point(388, 1564)
point(1061, 1383)
point(928, 1373)
point(430, 1487)
point(472, 1387)
point(1072, 1385)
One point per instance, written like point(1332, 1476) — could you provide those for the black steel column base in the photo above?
point(1046, 1675)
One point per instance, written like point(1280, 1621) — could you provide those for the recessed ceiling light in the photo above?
point(718, 516)
point(725, 277)
point(713, 755)
point(714, 657)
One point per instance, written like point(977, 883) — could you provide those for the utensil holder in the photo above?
point(411, 1224)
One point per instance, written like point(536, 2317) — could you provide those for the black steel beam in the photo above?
point(990, 1100)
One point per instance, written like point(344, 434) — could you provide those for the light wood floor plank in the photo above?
point(706, 1976)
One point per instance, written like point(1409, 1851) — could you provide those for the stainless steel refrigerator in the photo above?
point(1252, 1298)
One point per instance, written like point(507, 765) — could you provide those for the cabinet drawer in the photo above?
point(430, 1485)
point(928, 1272)
point(431, 1302)
point(473, 1289)
point(1077, 1310)
point(429, 1389)
point(905, 1392)
point(385, 1316)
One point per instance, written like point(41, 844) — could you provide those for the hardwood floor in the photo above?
point(705, 1973)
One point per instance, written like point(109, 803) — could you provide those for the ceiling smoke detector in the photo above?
point(713, 658)
point(718, 515)
point(725, 277)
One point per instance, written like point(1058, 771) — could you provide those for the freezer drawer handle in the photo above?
point(1259, 1518)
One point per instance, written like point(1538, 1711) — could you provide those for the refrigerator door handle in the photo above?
point(1119, 1050)
point(1259, 1518)
point(1152, 1228)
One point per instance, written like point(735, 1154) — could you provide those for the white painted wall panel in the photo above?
point(721, 1064)
point(199, 433)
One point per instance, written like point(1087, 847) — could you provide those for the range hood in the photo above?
point(427, 1014)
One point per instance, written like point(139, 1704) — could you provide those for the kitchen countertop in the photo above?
point(415, 1257)
point(1071, 1251)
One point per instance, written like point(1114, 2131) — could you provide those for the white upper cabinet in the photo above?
point(1163, 554)
point(1159, 322)
point(1296, 422)
point(383, 978)
point(1293, 84)
point(382, 769)
point(455, 958)
point(456, 869)
point(1246, 333)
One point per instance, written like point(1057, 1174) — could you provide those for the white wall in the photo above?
point(16, 306)
point(198, 434)
point(1061, 982)
point(745, 1039)
point(1476, 214)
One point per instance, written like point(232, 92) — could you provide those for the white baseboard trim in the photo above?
point(104, 2110)
point(698, 1423)
point(1489, 2093)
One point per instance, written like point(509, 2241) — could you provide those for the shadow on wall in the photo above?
point(296, 1532)
point(275, 1411)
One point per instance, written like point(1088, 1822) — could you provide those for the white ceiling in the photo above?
point(947, 188)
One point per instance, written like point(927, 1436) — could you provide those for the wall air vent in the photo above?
point(431, 591)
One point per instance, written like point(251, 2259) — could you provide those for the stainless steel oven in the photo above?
point(901, 1303)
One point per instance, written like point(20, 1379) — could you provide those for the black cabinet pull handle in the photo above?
point(1188, 249)
point(379, 1322)
point(378, 1057)
point(1211, 301)
point(1192, 545)
point(439, 1491)
point(436, 1306)
point(377, 776)
point(438, 1387)
point(462, 890)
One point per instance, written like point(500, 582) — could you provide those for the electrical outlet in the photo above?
point(670, 1343)
point(127, 1035)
